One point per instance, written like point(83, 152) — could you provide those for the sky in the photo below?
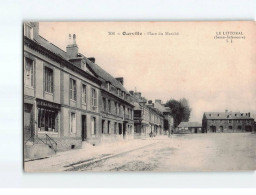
point(212, 74)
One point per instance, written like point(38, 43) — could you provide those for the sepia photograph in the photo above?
point(139, 96)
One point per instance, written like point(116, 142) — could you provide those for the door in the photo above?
point(84, 132)
point(124, 130)
point(28, 124)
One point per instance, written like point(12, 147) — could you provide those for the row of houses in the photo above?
point(69, 100)
point(220, 122)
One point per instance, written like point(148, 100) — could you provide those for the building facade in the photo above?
point(168, 119)
point(148, 121)
point(63, 98)
point(116, 106)
point(213, 122)
point(189, 127)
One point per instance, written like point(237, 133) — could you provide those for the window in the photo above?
point(93, 126)
point(108, 127)
point(47, 120)
point(72, 89)
point(115, 128)
point(94, 100)
point(73, 122)
point(28, 31)
point(48, 80)
point(229, 121)
point(28, 73)
point(118, 109)
point(109, 105)
point(115, 108)
point(104, 104)
point(84, 94)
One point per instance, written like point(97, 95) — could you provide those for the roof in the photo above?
point(53, 48)
point(105, 75)
point(226, 115)
point(189, 124)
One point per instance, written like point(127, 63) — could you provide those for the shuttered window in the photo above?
point(72, 89)
point(28, 73)
point(48, 79)
point(73, 122)
point(84, 94)
point(94, 99)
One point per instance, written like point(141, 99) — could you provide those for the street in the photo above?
point(195, 152)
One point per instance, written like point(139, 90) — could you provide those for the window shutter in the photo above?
point(70, 89)
point(74, 90)
point(52, 81)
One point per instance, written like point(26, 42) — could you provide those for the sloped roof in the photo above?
point(189, 124)
point(105, 75)
point(226, 115)
point(53, 48)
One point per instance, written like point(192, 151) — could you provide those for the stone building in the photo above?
point(63, 95)
point(116, 106)
point(189, 127)
point(213, 122)
point(168, 119)
point(147, 119)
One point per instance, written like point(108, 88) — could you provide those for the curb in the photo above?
point(83, 164)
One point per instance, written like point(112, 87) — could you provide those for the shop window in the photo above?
point(72, 89)
point(29, 73)
point(48, 79)
point(73, 122)
point(47, 120)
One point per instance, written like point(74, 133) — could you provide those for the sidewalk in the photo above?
point(65, 160)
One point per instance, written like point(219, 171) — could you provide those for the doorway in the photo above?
point(84, 132)
point(124, 129)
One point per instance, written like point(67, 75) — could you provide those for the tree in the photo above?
point(180, 110)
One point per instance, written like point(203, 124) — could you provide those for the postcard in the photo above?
point(139, 96)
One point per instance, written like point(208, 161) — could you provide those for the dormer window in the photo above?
point(118, 92)
point(28, 30)
point(218, 114)
point(210, 115)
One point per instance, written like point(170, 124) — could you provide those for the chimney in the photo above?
point(35, 29)
point(138, 95)
point(120, 79)
point(92, 59)
point(72, 48)
point(158, 101)
point(226, 111)
point(149, 101)
point(131, 92)
point(249, 114)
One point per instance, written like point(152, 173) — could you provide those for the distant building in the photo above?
point(227, 122)
point(189, 127)
point(168, 119)
point(147, 119)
